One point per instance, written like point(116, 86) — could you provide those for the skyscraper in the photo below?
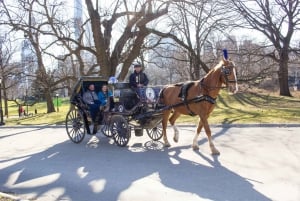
point(77, 17)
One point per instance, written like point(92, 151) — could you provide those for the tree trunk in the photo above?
point(100, 44)
point(42, 76)
point(50, 104)
point(4, 98)
point(283, 74)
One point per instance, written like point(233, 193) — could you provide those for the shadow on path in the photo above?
point(102, 171)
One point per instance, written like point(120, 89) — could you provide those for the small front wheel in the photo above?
point(75, 125)
point(120, 130)
point(155, 133)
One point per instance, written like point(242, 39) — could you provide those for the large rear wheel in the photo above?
point(75, 125)
point(120, 130)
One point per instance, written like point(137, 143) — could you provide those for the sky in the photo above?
point(239, 33)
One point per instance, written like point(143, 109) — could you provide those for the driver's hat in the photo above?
point(137, 65)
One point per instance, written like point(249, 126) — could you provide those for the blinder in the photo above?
point(226, 72)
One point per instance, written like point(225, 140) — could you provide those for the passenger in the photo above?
point(137, 80)
point(91, 99)
point(106, 98)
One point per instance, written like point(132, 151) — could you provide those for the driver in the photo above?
point(138, 79)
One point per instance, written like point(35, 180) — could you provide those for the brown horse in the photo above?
point(199, 100)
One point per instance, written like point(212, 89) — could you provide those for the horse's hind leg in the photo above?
point(172, 120)
point(165, 119)
point(195, 145)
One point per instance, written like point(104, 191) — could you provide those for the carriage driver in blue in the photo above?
point(138, 79)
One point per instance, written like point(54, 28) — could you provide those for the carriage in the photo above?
point(131, 113)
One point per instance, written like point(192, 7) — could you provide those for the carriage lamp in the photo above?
point(57, 109)
point(150, 94)
point(1, 111)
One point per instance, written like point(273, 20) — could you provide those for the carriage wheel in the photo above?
point(106, 130)
point(155, 133)
point(120, 130)
point(106, 126)
point(75, 125)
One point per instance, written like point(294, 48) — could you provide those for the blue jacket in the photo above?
point(103, 97)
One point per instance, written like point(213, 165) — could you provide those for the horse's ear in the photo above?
point(225, 54)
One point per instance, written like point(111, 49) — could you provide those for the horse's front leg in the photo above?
point(213, 149)
point(195, 145)
point(172, 120)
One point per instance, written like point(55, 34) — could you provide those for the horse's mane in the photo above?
point(219, 65)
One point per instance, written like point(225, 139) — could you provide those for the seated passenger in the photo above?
point(106, 98)
point(91, 99)
point(137, 80)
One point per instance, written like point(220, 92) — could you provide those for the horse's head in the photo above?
point(228, 75)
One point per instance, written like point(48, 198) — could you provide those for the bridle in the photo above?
point(225, 72)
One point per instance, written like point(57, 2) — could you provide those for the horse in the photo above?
point(199, 100)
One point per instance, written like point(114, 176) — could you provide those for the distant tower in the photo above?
point(77, 17)
point(28, 56)
point(1, 59)
point(29, 65)
point(28, 60)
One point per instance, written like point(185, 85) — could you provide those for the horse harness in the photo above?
point(184, 93)
point(226, 72)
point(185, 86)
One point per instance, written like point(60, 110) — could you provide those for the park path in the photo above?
point(256, 164)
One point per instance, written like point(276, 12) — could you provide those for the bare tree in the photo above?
point(10, 72)
point(193, 23)
point(255, 66)
point(133, 17)
point(34, 19)
point(277, 20)
point(169, 59)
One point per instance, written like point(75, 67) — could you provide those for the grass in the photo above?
point(39, 118)
point(254, 107)
point(244, 107)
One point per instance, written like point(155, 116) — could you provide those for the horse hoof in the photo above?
point(167, 145)
point(175, 139)
point(215, 152)
point(195, 147)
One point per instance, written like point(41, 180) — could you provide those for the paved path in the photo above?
point(256, 164)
